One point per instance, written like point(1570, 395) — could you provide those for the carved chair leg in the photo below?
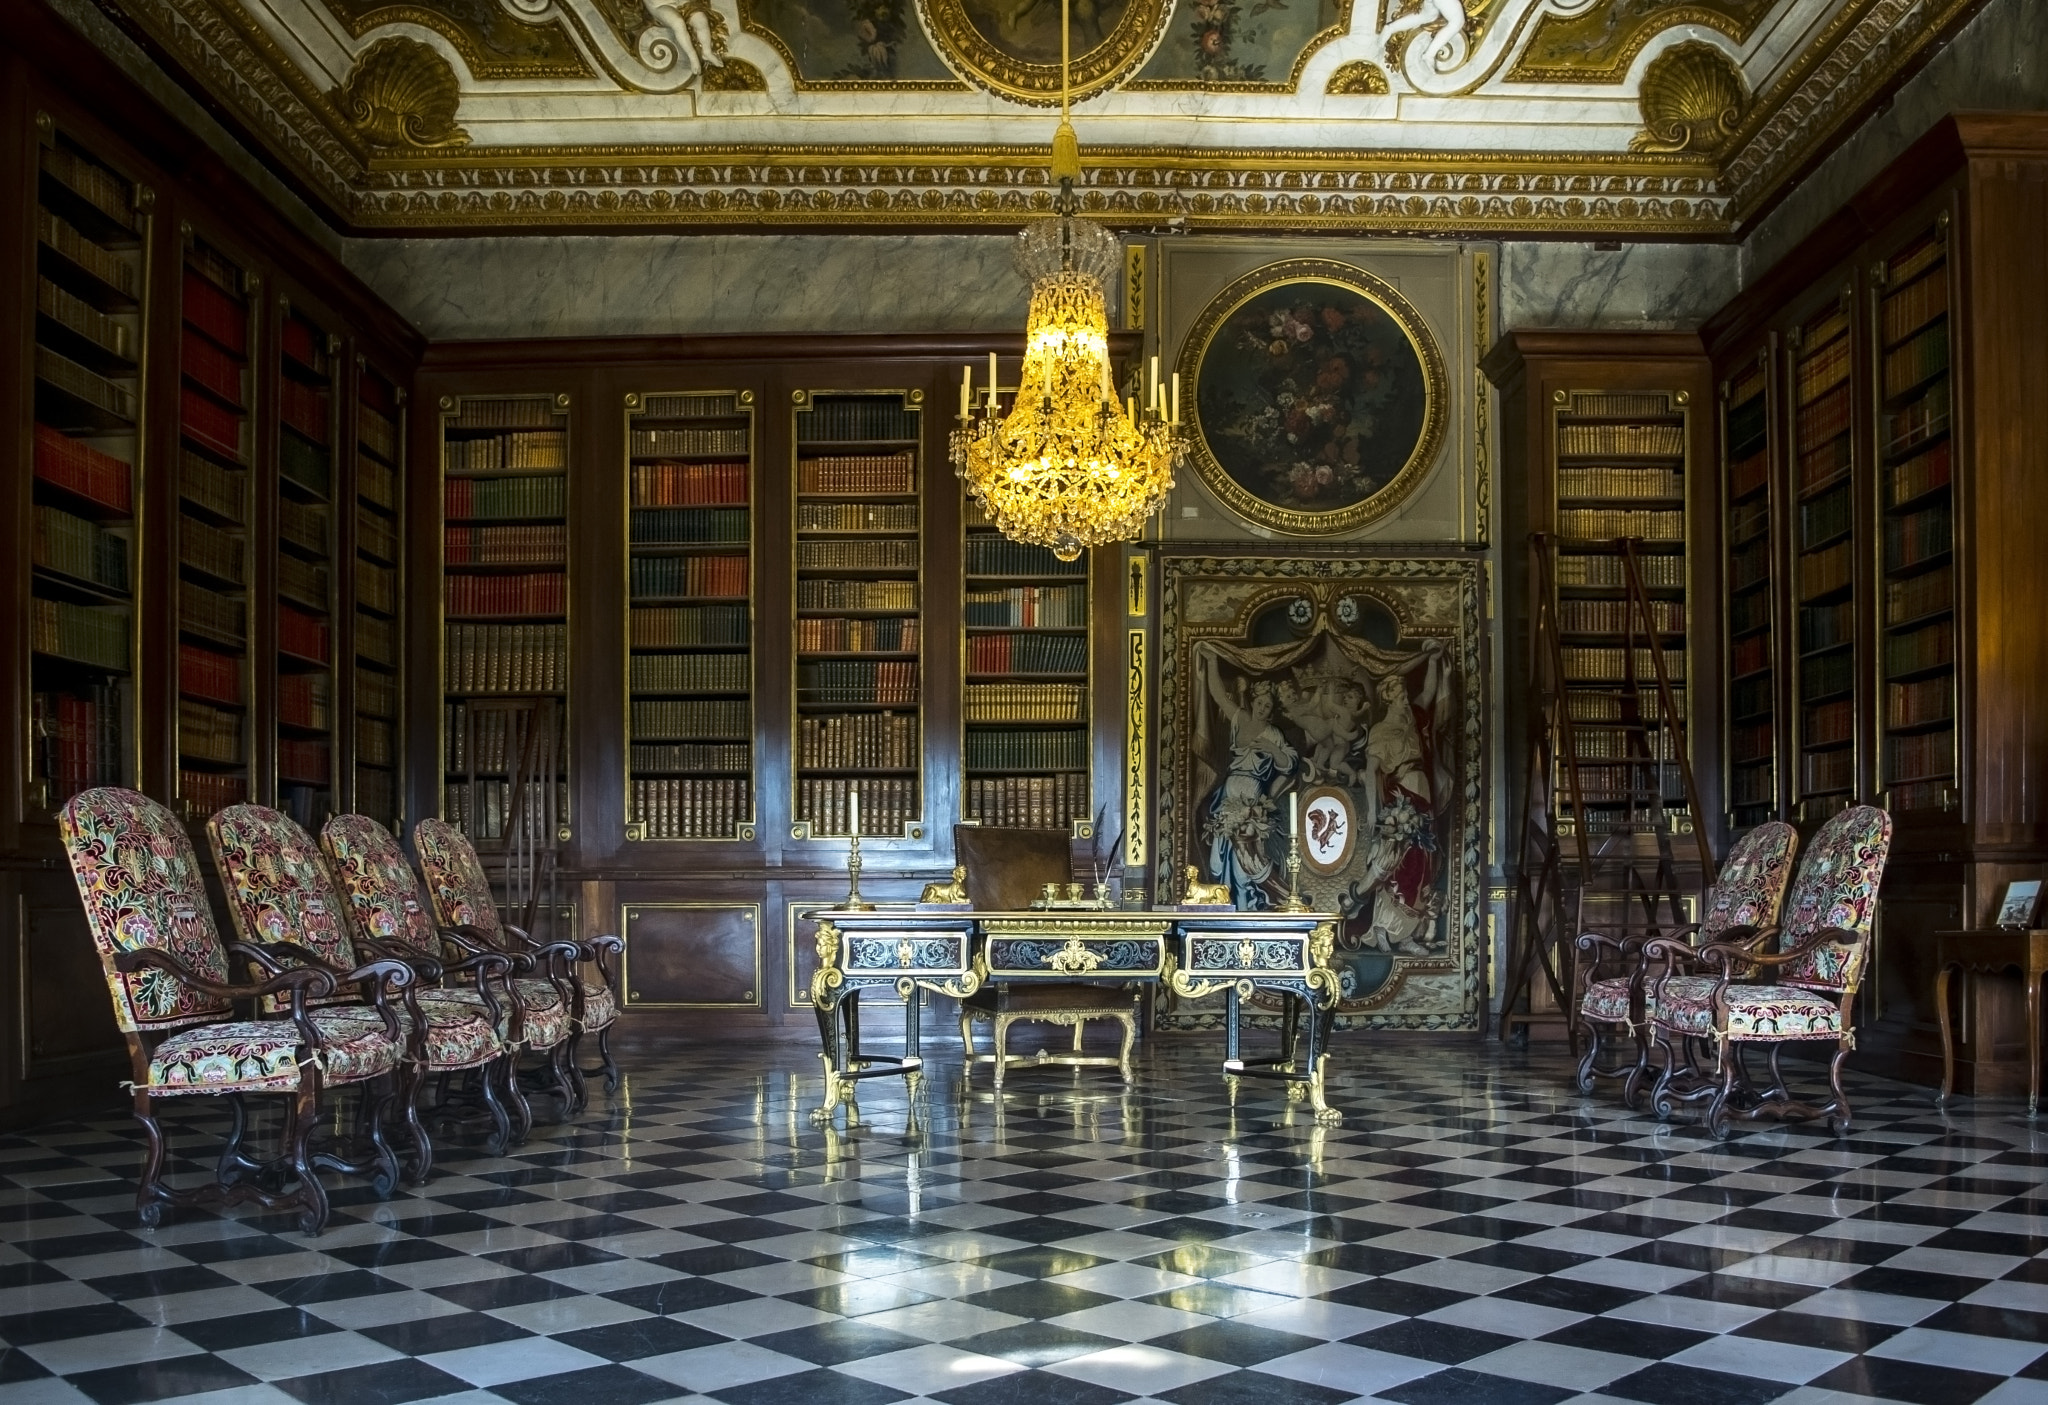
point(1130, 1024)
point(1777, 1091)
point(1717, 1110)
point(305, 1121)
point(565, 1087)
point(412, 1086)
point(513, 1097)
point(1667, 1070)
point(1840, 1114)
point(377, 1099)
point(605, 1060)
point(1002, 1047)
point(580, 1093)
point(150, 1195)
point(1583, 1080)
point(966, 1045)
point(233, 1163)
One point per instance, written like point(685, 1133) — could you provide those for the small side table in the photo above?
point(1988, 951)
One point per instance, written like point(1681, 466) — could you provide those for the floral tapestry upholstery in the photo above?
point(1685, 1005)
point(140, 884)
point(262, 1056)
point(277, 888)
point(458, 1034)
point(1836, 888)
point(546, 1020)
point(599, 1008)
point(383, 895)
point(1752, 883)
point(455, 878)
point(1606, 1001)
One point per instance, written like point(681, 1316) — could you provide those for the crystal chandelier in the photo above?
point(1068, 467)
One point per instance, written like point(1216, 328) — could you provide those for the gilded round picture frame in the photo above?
point(1378, 375)
point(1027, 69)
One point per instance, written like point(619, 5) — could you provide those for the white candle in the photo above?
point(991, 380)
point(1105, 380)
point(853, 812)
point(966, 388)
point(1175, 416)
point(1154, 400)
point(1294, 814)
point(1046, 379)
point(1131, 408)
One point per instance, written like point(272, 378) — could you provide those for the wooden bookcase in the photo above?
point(215, 548)
point(1752, 581)
point(1605, 436)
point(379, 554)
point(168, 409)
point(1907, 480)
point(504, 621)
point(1025, 714)
point(690, 618)
point(305, 567)
point(859, 591)
point(92, 298)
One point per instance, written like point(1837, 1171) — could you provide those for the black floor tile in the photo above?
point(384, 1383)
point(1668, 1383)
point(596, 1385)
point(1432, 1341)
point(1910, 1381)
point(1032, 1388)
point(1458, 1386)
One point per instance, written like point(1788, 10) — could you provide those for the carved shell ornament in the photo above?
point(1692, 101)
point(402, 93)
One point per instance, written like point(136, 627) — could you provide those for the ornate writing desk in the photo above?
point(1194, 952)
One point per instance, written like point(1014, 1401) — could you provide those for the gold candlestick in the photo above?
point(853, 901)
point(1294, 902)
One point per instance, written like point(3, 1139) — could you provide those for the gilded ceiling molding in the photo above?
point(403, 94)
point(1359, 79)
point(1692, 99)
point(682, 42)
point(1864, 47)
point(1599, 43)
point(1647, 197)
point(1018, 64)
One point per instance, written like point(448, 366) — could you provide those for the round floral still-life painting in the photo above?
point(1318, 397)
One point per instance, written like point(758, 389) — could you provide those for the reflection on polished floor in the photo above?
point(1472, 1233)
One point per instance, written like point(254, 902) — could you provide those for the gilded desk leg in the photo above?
point(823, 1113)
point(1002, 1046)
point(2033, 1041)
point(1948, 1041)
point(1326, 1115)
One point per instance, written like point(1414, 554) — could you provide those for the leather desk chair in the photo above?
point(1007, 870)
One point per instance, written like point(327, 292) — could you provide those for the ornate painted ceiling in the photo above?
point(1623, 117)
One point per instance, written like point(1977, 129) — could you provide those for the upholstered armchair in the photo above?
point(461, 894)
point(1007, 870)
point(1736, 994)
point(282, 901)
point(388, 913)
point(176, 1002)
point(1611, 970)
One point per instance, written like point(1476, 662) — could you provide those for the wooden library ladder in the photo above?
point(1565, 872)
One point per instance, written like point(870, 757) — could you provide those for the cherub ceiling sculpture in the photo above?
point(1629, 117)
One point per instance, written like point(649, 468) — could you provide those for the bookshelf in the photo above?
point(1025, 724)
point(858, 565)
point(1917, 588)
point(1824, 559)
point(216, 341)
point(92, 227)
point(1751, 598)
point(1621, 472)
point(504, 615)
point(690, 770)
point(379, 539)
point(305, 564)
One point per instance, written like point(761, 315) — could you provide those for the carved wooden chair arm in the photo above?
point(296, 979)
point(1739, 951)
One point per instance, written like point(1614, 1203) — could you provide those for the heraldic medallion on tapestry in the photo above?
point(1347, 692)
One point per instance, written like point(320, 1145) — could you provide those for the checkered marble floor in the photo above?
point(1473, 1233)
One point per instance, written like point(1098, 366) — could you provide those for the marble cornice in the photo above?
point(1866, 45)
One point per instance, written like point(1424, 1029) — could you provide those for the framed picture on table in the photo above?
point(2016, 907)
